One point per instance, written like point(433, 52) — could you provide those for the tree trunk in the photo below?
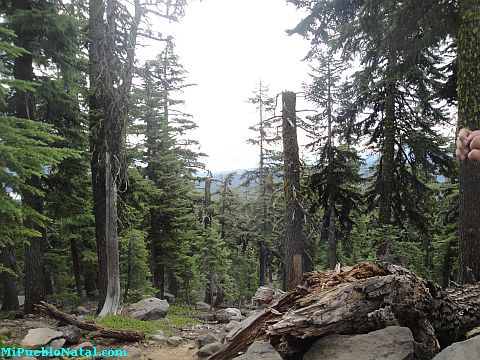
point(10, 298)
point(263, 201)
point(332, 241)
point(172, 283)
point(294, 249)
point(110, 83)
point(77, 267)
point(387, 165)
point(469, 116)
point(129, 271)
point(90, 284)
point(25, 108)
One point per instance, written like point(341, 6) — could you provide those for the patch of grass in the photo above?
point(123, 322)
point(179, 316)
point(182, 316)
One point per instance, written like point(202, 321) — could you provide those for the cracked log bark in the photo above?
point(368, 297)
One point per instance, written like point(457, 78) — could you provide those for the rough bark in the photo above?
point(10, 299)
point(101, 331)
point(263, 201)
point(25, 108)
point(77, 267)
point(110, 83)
point(368, 297)
point(294, 249)
point(332, 241)
point(469, 116)
point(387, 166)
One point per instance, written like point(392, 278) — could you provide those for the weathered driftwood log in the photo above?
point(99, 330)
point(368, 297)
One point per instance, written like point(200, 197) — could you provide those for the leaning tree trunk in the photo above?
point(293, 214)
point(368, 297)
point(469, 116)
point(10, 298)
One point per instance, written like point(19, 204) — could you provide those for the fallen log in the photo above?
point(368, 297)
point(90, 325)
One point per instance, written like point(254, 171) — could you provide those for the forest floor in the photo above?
point(186, 350)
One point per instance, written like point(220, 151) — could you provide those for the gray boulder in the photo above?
point(166, 296)
point(209, 350)
point(80, 310)
point(226, 315)
point(232, 325)
point(148, 309)
point(174, 340)
point(265, 295)
point(207, 338)
point(391, 343)
point(260, 350)
point(71, 333)
point(36, 338)
point(200, 305)
point(464, 350)
point(133, 353)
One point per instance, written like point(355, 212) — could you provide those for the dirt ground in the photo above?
point(185, 351)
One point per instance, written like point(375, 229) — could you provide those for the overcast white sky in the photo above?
point(227, 46)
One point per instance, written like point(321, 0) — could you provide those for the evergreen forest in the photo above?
point(104, 192)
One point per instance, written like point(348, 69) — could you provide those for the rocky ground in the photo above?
point(181, 343)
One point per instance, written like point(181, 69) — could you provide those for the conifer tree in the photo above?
point(25, 153)
point(265, 106)
point(170, 161)
point(334, 179)
point(394, 102)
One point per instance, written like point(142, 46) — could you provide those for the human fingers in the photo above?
point(461, 153)
point(474, 155)
point(471, 135)
point(463, 134)
point(475, 142)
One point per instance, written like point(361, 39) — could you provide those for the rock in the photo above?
point(207, 338)
point(174, 340)
point(133, 353)
point(159, 338)
point(227, 315)
point(265, 295)
point(71, 333)
point(148, 309)
point(232, 325)
point(464, 350)
point(391, 343)
point(85, 346)
point(80, 310)
point(57, 344)
point(260, 350)
point(209, 349)
point(36, 338)
point(5, 331)
point(167, 296)
point(200, 305)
